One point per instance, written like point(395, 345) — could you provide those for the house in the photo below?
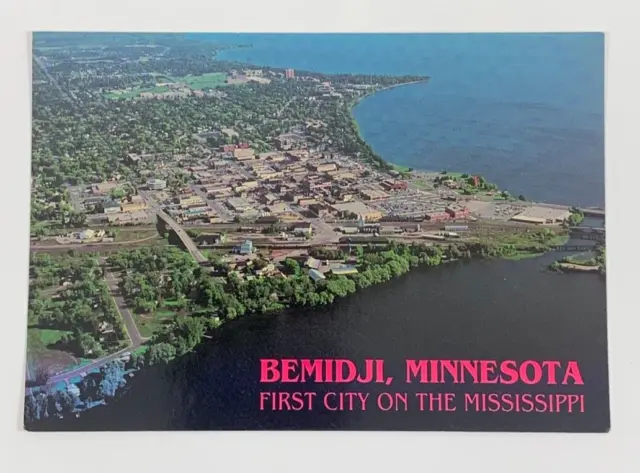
point(316, 275)
point(312, 263)
point(344, 270)
point(87, 234)
point(110, 207)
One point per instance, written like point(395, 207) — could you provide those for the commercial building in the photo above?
point(356, 208)
point(156, 184)
point(323, 167)
point(373, 194)
point(243, 154)
point(186, 201)
point(238, 204)
point(394, 185)
point(457, 211)
point(289, 73)
point(437, 216)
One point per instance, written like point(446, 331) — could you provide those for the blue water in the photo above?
point(524, 110)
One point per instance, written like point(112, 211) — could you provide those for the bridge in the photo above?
point(588, 233)
point(563, 248)
point(593, 212)
point(186, 239)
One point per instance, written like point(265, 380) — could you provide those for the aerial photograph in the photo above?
point(208, 207)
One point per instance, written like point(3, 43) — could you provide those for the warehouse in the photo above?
point(354, 209)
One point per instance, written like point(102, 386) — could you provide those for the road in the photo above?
point(214, 204)
point(134, 334)
point(86, 368)
point(186, 239)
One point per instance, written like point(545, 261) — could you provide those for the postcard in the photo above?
point(317, 232)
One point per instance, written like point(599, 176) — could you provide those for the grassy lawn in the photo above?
point(135, 92)
point(421, 185)
point(170, 303)
point(400, 168)
point(135, 235)
point(39, 339)
point(519, 256)
point(210, 80)
point(151, 323)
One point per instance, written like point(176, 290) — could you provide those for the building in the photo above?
point(355, 208)
point(238, 204)
point(437, 216)
point(245, 248)
point(190, 200)
point(133, 206)
point(312, 263)
point(324, 167)
point(156, 184)
point(110, 207)
point(243, 154)
point(373, 194)
point(303, 229)
point(456, 228)
point(87, 234)
point(289, 73)
point(210, 239)
point(316, 275)
point(394, 185)
point(457, 211)
point(344, 270)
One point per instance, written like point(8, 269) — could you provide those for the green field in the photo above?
point(135, 92)
point(39, 339)
point(151, 323)
point(210, 80)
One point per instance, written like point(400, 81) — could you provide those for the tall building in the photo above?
point(289, 73)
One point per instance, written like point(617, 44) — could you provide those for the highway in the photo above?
point(186, 239)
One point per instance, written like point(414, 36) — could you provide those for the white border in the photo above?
point(188, 451)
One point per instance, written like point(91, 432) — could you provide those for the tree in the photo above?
point(291, 266)
point(521, 197)
point(112, 379)
point(160, 353)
